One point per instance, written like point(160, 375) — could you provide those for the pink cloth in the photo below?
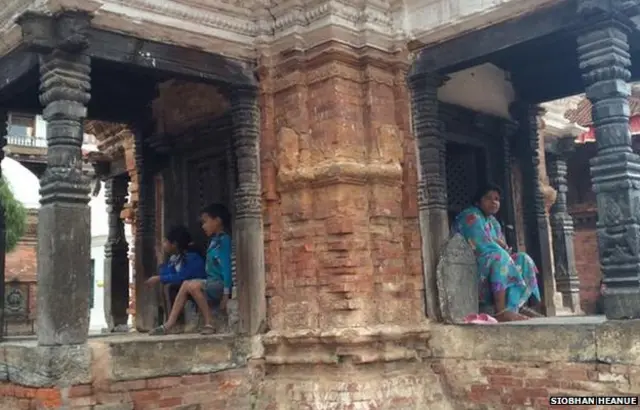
point(480, 319)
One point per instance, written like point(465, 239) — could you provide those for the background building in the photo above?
point(24, 163)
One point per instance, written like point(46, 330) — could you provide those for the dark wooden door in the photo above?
point(466, 168)
point(207, 182)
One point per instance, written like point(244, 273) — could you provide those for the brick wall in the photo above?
point(223, 390)
point(588, 267)
point(448, 383)
point(505, 385)
point(582, 207)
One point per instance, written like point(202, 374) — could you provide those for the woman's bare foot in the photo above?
point(530, 313)
point(508, 316)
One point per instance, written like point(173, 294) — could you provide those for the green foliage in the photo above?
point(15, 215)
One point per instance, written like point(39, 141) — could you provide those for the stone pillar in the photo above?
point(567, 282)
point(247, 229)
point(64, 220)
point(432, 186)
point(604, 57)
point(535, 217)
point(116, 258)
point(4, 117)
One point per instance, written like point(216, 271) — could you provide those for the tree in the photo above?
point(15, 216)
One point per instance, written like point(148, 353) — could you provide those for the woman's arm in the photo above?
point(499, 235)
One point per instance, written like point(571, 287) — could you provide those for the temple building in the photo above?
point(344, 137)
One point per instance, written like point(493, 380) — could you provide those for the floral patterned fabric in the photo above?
point(498, 270)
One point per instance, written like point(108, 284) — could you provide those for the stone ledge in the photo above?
point(612, 342)
point(27, 364)
point(120, 358)
point(141, 356)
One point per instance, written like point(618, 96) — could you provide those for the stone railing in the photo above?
point(26, 141)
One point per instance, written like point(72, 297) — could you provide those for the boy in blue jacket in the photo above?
point(183, 263)
point(216, 287)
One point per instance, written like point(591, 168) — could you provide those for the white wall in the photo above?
point(484, 88)
point(41, 127)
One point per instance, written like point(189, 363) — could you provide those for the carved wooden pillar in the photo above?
point(567, 282)
point(4, 117)
point(64, 263)
point(604, 58)
point(432, 191)
point(145, 259)
point(535, 218)
point(116, 258)
point(509, 131)
point(248, 230)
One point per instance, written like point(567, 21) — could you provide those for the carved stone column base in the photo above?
point(622, 304)
point(571, 301)
point(434, 229)
point(251, 302)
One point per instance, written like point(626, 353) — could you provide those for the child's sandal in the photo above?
point(159, 331)
point(207, 330)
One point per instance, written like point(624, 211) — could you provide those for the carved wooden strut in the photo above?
point(432, 191)
point(566, 275)
point(535, 218)
point(116, 256)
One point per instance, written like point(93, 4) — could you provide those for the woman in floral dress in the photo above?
point(507, 280)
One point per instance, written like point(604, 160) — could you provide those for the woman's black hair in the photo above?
point(484, 189)
point(180, 236)
point(219, 211)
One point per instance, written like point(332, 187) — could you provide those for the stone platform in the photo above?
point(430, 367)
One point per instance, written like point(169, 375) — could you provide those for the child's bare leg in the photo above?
point(167, 300)
point(178, 305)
point(197, 292)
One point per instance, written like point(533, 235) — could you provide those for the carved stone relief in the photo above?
point(457, 278)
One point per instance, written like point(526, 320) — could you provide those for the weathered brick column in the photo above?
point(339, 190)
point(64, 220)
point(605, 61)
point(432, 188)
point(567, 282)
point(116, 256)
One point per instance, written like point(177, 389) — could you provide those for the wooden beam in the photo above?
point(171, 59)
point(450, 56)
